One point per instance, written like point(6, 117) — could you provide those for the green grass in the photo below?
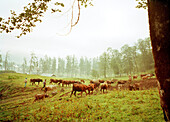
point(17, 103)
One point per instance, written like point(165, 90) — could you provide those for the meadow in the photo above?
point(16, 103)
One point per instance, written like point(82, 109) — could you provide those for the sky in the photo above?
point(106, 24)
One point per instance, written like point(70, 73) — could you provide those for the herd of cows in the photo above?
point(80, 86)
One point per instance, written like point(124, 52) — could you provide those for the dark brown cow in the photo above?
point(91, 88)
point(135, 77)
point(35, 80)
point(40, 96)
point(101, 81)
point(79, 87)
point(103, 87)
point(142, 75)
point(53, 81)
point(82, 81)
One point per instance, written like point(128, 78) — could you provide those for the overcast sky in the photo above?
point(106, 24)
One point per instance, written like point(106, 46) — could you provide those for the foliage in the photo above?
point(31, 14)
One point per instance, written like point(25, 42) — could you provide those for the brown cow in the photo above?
point(67, 83)
point(91, 88)
point(79, 87)
point(145, 77)
point(103, 86)
point(35, 80)
point(135, 77)
point(40, 96)
point(82, 81)
point(101, 81)
point(142, 75)
point(54, 81)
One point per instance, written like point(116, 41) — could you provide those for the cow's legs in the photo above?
point(71, 93)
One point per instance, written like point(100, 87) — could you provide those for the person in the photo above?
point(25, 82)
point(44, 83)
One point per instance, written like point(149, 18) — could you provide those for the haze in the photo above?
point(106, 24)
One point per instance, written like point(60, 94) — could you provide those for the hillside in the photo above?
point(17, 103)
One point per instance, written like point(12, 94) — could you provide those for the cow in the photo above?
point(135, 77)
point(79, 87)
point(91, 88)
point(35, 80)
point(96, 83)
point(53, 81)
point(101, 81)
point(49, 88)
point(150, 75)
point(67, 83)
point(145, 77)
point(103, 87)
point(134, 86)
point(121, 83)
point(40, 96)
point(142, 75)
point(82, 81)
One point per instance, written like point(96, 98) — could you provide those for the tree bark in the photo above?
point(159, 21)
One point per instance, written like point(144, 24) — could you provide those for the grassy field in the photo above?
point(17, 103)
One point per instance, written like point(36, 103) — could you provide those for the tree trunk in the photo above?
point(159, 21)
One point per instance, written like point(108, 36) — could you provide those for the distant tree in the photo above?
point(94, 73)
point(24, 66)
point(33, 64)
point(81, 66)
point(74, 66)
point(68, 66)
point(6, 60)
point(0, 61)
point(61, 67)
point(127, 59)
point(54, 65)
point(103, 64)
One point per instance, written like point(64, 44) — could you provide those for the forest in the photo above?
point(113, 62)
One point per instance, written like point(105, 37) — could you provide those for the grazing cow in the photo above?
point(40, 96)
point(53, 81)
point(145, 77)
point(96, 83)
point(101, 81)
point(142, 75)
point(35, 80)
point(79, 87)
point(91, 88)
point(67, 83)
point(49, 88)
point(82, 81)
point(135, 77)
point(103, 87)
point(134, 86)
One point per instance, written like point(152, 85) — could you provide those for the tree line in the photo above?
point(113, 62)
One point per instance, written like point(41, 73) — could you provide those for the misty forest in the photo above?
point(126, 84)
point(128, 60)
